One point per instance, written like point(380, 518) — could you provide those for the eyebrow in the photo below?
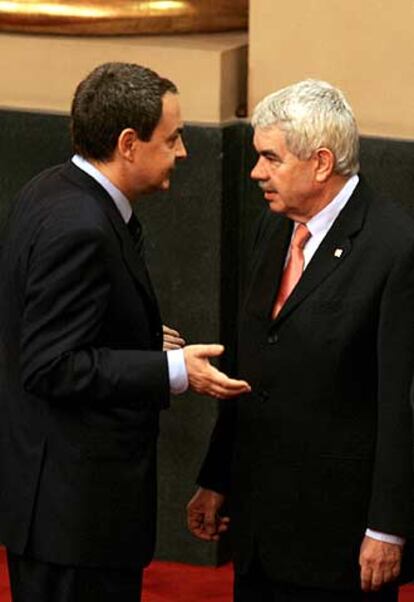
point(176, 132)
point(269, 153)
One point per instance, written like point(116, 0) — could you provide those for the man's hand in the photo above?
point(380, 563)
point(203, 519)
point(205, 379)
point(171, 339)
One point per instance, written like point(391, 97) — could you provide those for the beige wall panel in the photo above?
point(366, 47)
point(233, 82)
point(41, 72)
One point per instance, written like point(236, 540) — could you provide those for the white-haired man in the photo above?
point(316, 461)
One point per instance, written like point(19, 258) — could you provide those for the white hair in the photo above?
point(313, 114)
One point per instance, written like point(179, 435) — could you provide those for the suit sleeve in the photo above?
point(391, 508)
point(66, 289)
point(215, 472)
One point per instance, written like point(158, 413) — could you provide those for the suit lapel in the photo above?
point(268, 269)
point(334, 249)
point(133, 260)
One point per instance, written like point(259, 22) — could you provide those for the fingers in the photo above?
point(202, 524)
point(205, 379)
point(195, 524)
point(171, 339)
point(395, 571)
point(203, 519)
point(389, 575)
point(377, 579)
point(380, 563)
point(223, 387)
point(366, 577)
point(227, 392)
point(372, 579)
point(221, 391)
point(206, 351)
point(210, 523)
point(223, 524)
point(207, 527)
point(171, 344)
point(222, 381)
point(170, 332)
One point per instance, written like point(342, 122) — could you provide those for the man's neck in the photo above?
point(109, 170)
point(334, 186)
point(323, 196)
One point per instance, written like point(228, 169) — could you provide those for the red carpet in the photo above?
point(174, 582)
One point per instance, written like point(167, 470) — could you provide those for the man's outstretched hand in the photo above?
point(205, 379)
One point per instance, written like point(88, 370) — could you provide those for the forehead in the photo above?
point(269, 138)
point(171, 113)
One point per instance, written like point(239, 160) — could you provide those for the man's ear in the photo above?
point(127, 143)
point(325, 164)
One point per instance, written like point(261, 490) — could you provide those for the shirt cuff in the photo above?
point(378, 535)
point(177, 371)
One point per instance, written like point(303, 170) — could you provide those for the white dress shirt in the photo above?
point(177, 371)
point(321, 223)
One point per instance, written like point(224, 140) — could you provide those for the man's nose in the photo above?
point(257, 172)
point(181, 151)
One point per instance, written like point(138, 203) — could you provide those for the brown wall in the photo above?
point(366, 47)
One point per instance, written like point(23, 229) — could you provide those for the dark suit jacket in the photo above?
point(321, 449)
point(82, 379)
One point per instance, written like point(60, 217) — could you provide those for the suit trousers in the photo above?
point(255, 586)
point(34, 581)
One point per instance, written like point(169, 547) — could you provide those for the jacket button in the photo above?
point(272, 338)
point(263, 396)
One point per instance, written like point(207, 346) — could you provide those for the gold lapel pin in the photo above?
point(338, 252)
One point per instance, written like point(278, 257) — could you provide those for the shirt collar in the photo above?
point(122, 203)
point(322, 221)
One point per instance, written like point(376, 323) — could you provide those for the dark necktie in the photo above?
point(135, 230)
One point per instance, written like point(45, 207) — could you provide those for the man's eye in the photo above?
point(272, 159)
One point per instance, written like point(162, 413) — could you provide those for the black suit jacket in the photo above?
point(321, 449)
point(82, 379)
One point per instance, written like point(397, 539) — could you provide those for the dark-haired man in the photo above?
point(83, 375)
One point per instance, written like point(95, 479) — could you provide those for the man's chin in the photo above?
point(153, 187)
point(165, 184)
point(159, 186)
point(272, 199)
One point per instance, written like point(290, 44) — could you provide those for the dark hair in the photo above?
point(115, 96)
